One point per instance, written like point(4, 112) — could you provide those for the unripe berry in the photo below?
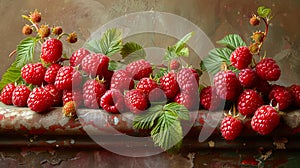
point(57, 30)
point(254, 20)
point(72, 38)
point(27, 30)
point(35, 16)
point(44, 31)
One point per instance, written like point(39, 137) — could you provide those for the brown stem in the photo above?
point(267, 27)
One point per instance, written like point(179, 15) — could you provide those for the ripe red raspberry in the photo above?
point(33, 73)
point(146, 85)
point(136, 101)
point(67, 78)
point(139, 69)
point(263, 86)
point(231, 127)
point(113, 101)
point(57, 94)
point(241, 57)
point(188, 81)
point(51, 73)
point(7, 93)
point(121, 81)
point(265, 119)
point(280, 95)
point(248, 102)
point(107, 78)
point(186, 99)
point(77, 56)
point(209, 99)
point(295, 91)
point(51, 50)
point(247, 77)
point(174, 65)
point(73, 95)
point(268, 69)
point(95, 64)
point(93, 90)
point(227, 85)
point(40, 100)
point(20, 96)
point(169, 85)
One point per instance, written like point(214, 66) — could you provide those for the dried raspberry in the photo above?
point(136, 101)
point(280, 95)
point(241, 57)
point(51, 73)
point(247, 77)
point(20, 96)
point(209, 99)
point(7, 93)
point(113, 101)
point(40, 100)
point(248, 102)
point(265, 119)
point(169, 85)
point(33, 73)
point(231, 127)
point(51, 50)
point(139, 69)
point(268, 69)
point(67, 78)
point(93, 90)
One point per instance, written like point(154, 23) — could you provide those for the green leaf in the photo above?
point(167, 132)
point(133, 49)
point(232, 41)
point(115, 65)
point(109, 44)
point(180, 110)
point(12, 74)
point(263, 11)
point(25, 51)
point(147, 120)
point(212, 63)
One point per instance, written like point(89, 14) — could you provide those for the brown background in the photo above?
point(216, 18)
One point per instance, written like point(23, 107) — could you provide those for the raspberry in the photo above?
point(51, 73)
point(209, 99)
point(40, 100)
point(146, 85)
point(280, 95)
point(169, 85)
point(27, 30)
point(139, 69)
point(33, 73)
point(93, 90)
point(57, 94)
point(121, 81)
point(254, 20)
point(231, 127)
point(268, 69)
point(57, 30)
point(113, 101)
point(107, 78)
point(248, 102)
point(35, 16)
point(265, 119)
point(247, 77)
point(263, 86)
point(77, 56)
point(136, 101)
point(295, 91)
point(67, 78)
point(20, 96)
point(174, 65)
point(44, 31)
point(51, 50)
point(227, 85)
point(75, 95)
point(241, 57)
point(187, 100)
point(188, 81)
point(72, 38)
point(95, 64)
point(7, 93)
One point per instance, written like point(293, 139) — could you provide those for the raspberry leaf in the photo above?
point(25, 51)
point(216, 57)
point(133, 49)
point(12, 74)
point(181, 111)
point(232, 41)
point(109, 44)
point(147, 120)
point(263, 12)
